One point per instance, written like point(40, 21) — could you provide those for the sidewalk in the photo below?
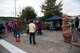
point(49, 42)
point(3, 50)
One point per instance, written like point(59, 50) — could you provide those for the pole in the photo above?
point(15, 8)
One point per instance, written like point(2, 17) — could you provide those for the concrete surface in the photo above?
point(49, 42)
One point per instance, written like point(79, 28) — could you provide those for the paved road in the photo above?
point(3, 50)
point(49, 42)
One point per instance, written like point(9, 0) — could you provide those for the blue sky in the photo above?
point(71, 7)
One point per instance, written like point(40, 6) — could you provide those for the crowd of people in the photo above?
point(35, 27)
point(75, 24)
point(71, 29)
point(12, 26)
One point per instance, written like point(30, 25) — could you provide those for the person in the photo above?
point(39, 28)
point(79, 27)
point(10, 26)
point(76, 22)
point(66, 29)
point(16, 29)
point(32, 29)
point(51, 25)
point(1, 30)
point(27, 28)
point(75, 29)
point(7, 26)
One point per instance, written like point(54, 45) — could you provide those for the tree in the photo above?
point(50, 8)
point(58, 9)
point(28, 13)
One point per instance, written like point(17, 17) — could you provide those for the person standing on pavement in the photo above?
point(79, 27)
point(76, 28)
point(39, 28)
point(51, 25)
point(32, 29)
point(16, 28)
point(1, 30)
point(76, 22)
point(27, 28)
point(10, 26)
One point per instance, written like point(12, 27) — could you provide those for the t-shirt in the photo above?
point(39, 25)
point(32, 27)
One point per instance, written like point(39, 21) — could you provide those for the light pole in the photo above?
point(15, 8)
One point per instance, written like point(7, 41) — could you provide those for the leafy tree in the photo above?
point(58, 9)
point(28, 13)
point(50, 8)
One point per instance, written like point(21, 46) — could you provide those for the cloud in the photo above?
point(7, 7)
point(71, 7)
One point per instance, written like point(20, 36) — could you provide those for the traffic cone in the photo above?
point(17, 38)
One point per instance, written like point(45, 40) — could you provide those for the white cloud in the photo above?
point(8, 6)
point(71, 7)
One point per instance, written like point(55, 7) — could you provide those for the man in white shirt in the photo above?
point(32, 29)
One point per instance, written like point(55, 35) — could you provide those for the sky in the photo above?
point(7, 7)
point(71, 7)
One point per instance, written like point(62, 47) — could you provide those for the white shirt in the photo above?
point(32, 27)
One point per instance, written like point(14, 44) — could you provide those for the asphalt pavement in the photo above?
point(49, 42)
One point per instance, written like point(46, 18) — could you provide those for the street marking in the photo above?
point(11, 48)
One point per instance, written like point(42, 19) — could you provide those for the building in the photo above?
point(73, 17)
point(6, 18)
